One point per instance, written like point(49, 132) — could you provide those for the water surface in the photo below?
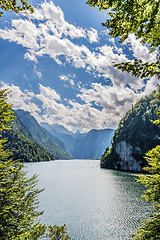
point(95, 203)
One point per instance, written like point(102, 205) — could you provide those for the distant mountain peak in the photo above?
point(82, 145)
point(57, 127)
point(43, 137)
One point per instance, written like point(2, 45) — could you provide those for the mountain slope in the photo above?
point(135, 135)
point(89, 145)
point(40, 135)
point(24, 149)
point(92, 144)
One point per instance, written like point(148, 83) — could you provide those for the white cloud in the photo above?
point(23, 32)
point(92, 35)
point(31, 56)
point(72, 82)
point(38, 73)
point(139, 50)
point(52, 35)
point(101, 107)
point(68, 78)
point(64, 78)
point(21, 99)
point(49, 93)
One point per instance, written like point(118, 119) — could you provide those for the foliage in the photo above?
point(6, 114)
point(7, 5)
point(139, 69)
point(157, 122)
point(105, 156)
point(24, 149)
point(140, 17)
point(18, 197)
point(150, 229)
point(58, 233)
point(30, 128)
point(136, 129)
point(18, 203)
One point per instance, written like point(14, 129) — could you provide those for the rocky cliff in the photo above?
point(135, 135)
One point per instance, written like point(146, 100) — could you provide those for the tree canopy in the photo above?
point(136, 128)
point(11, 5)
point(140, 17)
point(18, 196)
point(150, 228)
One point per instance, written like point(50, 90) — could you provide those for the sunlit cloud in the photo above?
point(102, 107)
point(47, 33)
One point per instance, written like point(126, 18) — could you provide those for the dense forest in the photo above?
point(26, 124)
point(137, 131)
point(27, 147)
point(24, 149)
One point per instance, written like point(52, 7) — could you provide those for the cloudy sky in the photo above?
point(58, 65)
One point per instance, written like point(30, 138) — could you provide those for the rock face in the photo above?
point(127, 161)
point(136, 134)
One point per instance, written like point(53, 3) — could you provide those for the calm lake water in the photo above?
point(95, 204)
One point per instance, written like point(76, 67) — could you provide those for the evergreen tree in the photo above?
point(18, 196)
point(143, 19)
point(18, 203)
point(150, 229)
point(58, 233)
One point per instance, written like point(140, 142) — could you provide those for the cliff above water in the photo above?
point(135, 135)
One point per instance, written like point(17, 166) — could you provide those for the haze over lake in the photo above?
point(94, 203)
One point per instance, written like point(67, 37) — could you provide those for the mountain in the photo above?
point(135, 135)
point(89, 145)
point(24, 149)
point(92, 144)
point(44, 138)
point(60, 129)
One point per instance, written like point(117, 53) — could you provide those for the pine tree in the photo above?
point(58, 233)
point(150, 229)
point(18, 195)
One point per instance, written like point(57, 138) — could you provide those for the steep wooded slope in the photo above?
point(31, 129)
point(135, 135)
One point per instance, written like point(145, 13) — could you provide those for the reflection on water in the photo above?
point(94, 203)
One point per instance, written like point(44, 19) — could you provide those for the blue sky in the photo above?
point(57, 63)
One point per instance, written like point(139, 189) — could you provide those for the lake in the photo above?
point(94, 203)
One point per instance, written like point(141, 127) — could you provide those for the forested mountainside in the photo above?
point(88, 145)
point(30, 128)
point(24, 149)
point(135, 135)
